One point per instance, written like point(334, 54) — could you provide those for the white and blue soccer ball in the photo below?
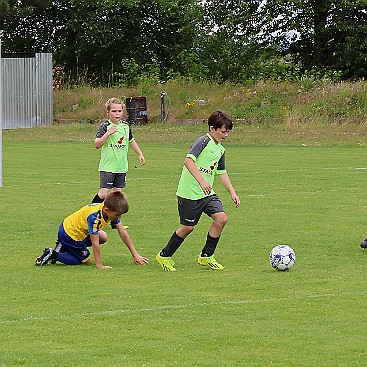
point(282, 257)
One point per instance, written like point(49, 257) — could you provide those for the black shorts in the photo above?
point(190, 210)
point(109, 180)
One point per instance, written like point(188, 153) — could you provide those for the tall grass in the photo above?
point(321, 103)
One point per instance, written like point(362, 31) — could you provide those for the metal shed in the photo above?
point(26, 90)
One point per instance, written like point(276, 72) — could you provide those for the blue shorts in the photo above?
point(76, 248)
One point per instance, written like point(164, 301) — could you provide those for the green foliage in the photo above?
point(129, 74)
point(321, 34)
point(134, 74)
point(112, 43)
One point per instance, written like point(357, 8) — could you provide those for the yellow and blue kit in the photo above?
point(74, 233)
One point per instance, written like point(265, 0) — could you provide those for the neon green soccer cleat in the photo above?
point(211, 262)
point(165, 262)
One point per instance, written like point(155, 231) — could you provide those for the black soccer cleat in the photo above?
point(364, 244)
point(45, 257)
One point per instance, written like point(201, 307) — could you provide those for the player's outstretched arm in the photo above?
point(97, 252)
point(138, 259)
point(135, 147)
point(224, 178)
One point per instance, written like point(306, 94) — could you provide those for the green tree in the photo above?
point(321, 34)
point(94, 39)
point(21, 32)
point(228, 46)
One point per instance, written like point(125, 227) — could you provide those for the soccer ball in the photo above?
point(282, 257)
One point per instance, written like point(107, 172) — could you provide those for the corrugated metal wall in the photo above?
point(27, 91)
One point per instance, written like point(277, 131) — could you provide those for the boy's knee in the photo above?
point(184, 231)
point(190, 228)
point(221, 219)
point(103, 237)
point(102, 193)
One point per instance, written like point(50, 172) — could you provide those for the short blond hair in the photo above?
point(114, 100)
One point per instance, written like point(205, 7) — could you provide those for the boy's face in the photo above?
point(219, 135)
point(113, 215)
point(115, 113)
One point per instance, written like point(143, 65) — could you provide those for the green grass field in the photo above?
point(310, 197)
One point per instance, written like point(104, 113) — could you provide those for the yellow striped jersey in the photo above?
point(85, 221)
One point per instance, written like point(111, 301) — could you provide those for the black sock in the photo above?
point(173, 244)
point(97, 199)
point(210, 246)
point(54, 255)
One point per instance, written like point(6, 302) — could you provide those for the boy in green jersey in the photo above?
point(195, 194)
point(114, 137)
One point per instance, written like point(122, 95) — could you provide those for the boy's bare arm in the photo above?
point(190, 165)
point(99, 142)
point(138, 259)
point(97, 252)
point(224, 178)
point(135, 147)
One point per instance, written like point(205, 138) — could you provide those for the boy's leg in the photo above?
point(210, 246)
point(189, 212)
point(164, 257)
point(119, 182)
point(58, 248)
point(216, 211)
point(68, 259)
point(175, 242)
point(97, 199)
point(71, 252)
point(101, 195)
point(206, 258)
point(74, 256)
point(103, 237)
point(106, 180)
point(215, 231)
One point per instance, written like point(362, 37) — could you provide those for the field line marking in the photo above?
point(179, 307)
point(310, 169)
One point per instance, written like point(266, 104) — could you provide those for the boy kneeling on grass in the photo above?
point(84, 228)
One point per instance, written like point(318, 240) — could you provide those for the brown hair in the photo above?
point(116, 201)
point(219, 118)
